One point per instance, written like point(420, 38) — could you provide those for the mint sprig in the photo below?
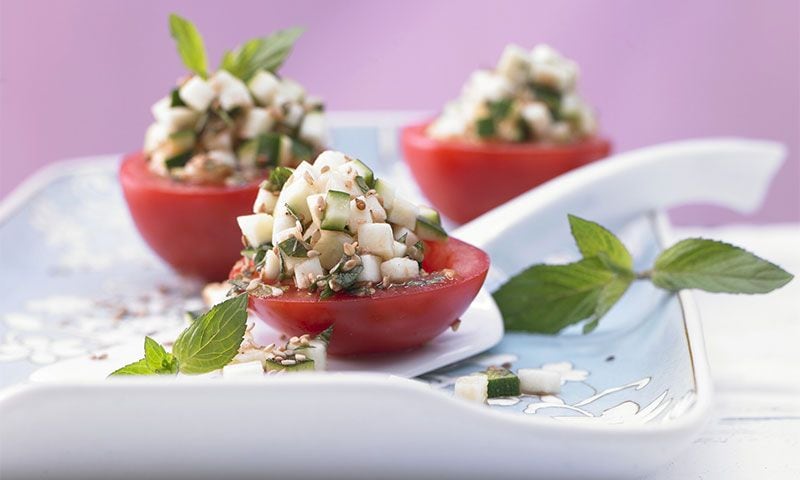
point(265, 53)
point(190, 44)
point(209, 343)
point(548, 298)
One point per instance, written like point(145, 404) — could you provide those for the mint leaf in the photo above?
point(716, 267)
point(293, 247)
point(278, 178)
point(594, 240)
point(548, 298)
point(190, 44)
point(212, 340)
point(156, 361)
point(265, 53)
point(136, 368)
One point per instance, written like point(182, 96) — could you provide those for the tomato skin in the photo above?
point(464, 180)
point(391, 320)
point(192, 228)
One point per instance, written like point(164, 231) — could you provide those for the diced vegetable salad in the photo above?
point(527, 97)
point(333, 227)
point(223, 130)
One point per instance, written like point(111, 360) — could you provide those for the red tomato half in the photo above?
point(464, 180)
point(391, 320)
point(193, 228)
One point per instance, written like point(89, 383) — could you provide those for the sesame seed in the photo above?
point(300, 357)
point(360, 204)
point(385, 281)
point(334, 285)
point(254, 283)
point(349, 249)
point(308, 178)
point(324, 169)
point(348, 184)
point(350, 264)
point(288, 362)
point(294, 340)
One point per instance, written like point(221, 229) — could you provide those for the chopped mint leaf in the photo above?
point(716, 267)
point(296, 215)
point(550, 97)
point(362, 184)
point(500, 109)
point(179, 160)
point(344, 280)
point(212, 340)
point(293, 247)
point(175, 99)
point(278, 177)
point(190, 45)
point(485, 127)
point(325, 335)
point(265, 53)
point(301, 150)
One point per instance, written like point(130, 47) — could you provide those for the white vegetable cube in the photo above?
point(331, 159)
point(375, 209)
point(358, 216)
point(387, 193)
point(305, 167)
point(336, 180)
point(256, 228)
point(543, 53)
point(249, 356)
point(197, 93)
point(473, 388)
point(217, 140)
point(309, 268)
point(256, 121)
point(156, 135)
point(293, 115)
point(314, 202)
point(221, 79)
point(404, 233)
point(514, 64)
point(398, 270)
point(448, 125)
point(272, 265)
point(265, 201)
point(371, 271)
point(173, 118)
point(264, 85)
point(295, 194)
point(291, 262)
point(403, 213)
point(486, 85)
point(376, 238)
point(400, 249)
point(313, 128)
point(235, 94)
point(536, 380)
point(537, 116)
point(318, 352)
point(289, 91)
point(222, 157)
point(243, 370)
point(558, 76)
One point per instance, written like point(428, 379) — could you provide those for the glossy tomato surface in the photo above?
point(399, 318)
point(193, 228)
point(464, 180)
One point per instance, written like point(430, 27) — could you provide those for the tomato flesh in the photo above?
point(192, 228)
point(464, 180)
point(395, 319)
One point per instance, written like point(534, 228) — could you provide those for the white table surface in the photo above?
point(753, 347)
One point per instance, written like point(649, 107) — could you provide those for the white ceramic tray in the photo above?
point(635, 392)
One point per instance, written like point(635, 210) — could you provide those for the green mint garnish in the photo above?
point(345, 280)
point(209, 343)
point(548, 298)
point(190, 45)
point(278, 178)
point(265, 53)
point(175, 99)
point(293, 247)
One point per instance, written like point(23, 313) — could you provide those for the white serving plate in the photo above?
point(616, 418)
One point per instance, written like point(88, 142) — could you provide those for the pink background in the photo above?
point(78, 76)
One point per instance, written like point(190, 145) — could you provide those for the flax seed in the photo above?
point(308, 178)
point(360, 204)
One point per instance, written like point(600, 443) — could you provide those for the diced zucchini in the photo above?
point(386, 191)
point(256, 228)
point(365, 172)
point(472, 388)
point(313, 206)
point(404, 235)
point(283, 221)
point(294, 194)
point(376, 238)
point(427, 230)
point(337, 211)
point(403, 213)
point(399, 249)
point(430, 215)
point(330, 247)
point(371, 271)
point(399, 270)
point(330, 159)
point(273, 366)
point(302, 271)
point(265, 201)
point(178, 160)
point(539, 381)
point(502, 383)
point(262, 151)
point(375, 208)
point(317, 351)
point(358, 216)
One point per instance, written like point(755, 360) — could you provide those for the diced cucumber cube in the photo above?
point(539, 381)
point(284, 224)
point(430, 215)
point(375, 209)
point(427, 230)
point(317, 352)
point(472, 388)
point(243, 370)
point(386, 191)
point(256, 121)
point(304, 366)
point(330, 247)
point(337, 211)
point(197, 93)
point(294, 194)
point(310, 268)
point(398, 270)
point(358, 216)
point(371, 271)
point(330, 159)
point(502, 383)
point(155, 136)
point(402, 234)
point(400, 249)
point(263, 85)
point(376, 238)
point(316, 205)
point(256, 228)
point(179, 160)
point(263, 150)
point(265, 201)
point(365, 172)
point(403, 213)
